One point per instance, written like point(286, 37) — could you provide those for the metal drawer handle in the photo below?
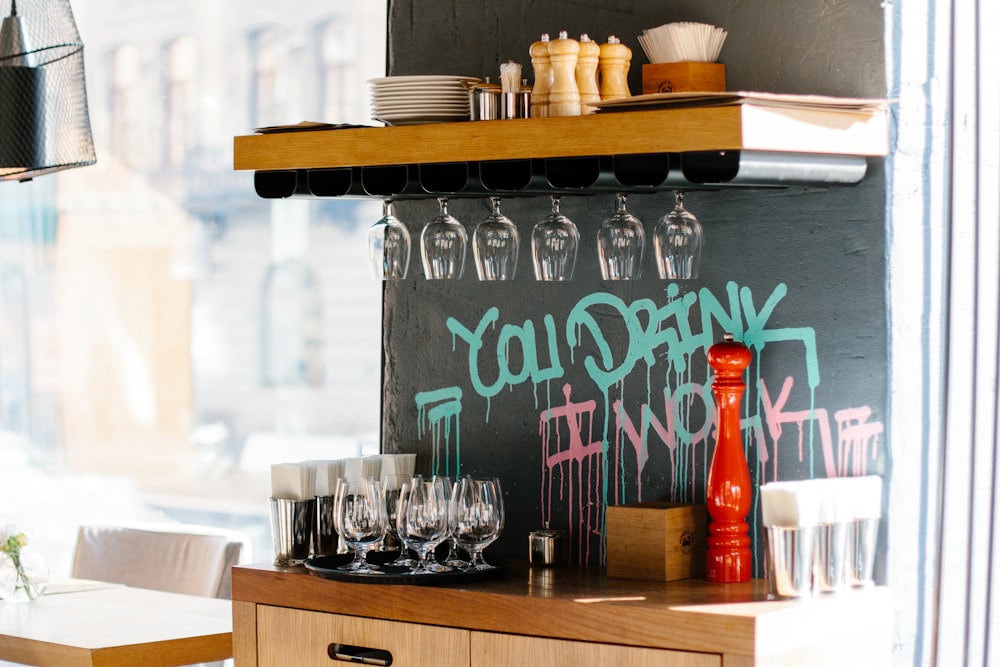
point(361, 655)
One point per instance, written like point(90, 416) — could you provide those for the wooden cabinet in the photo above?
point(490, 649)
point(562, 617)
point(296, 638)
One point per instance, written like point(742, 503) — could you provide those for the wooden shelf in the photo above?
point(740, 144)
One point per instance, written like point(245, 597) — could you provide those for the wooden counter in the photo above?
point(572, 616)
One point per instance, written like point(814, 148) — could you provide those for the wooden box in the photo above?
point(686, 77)
point(656, 540)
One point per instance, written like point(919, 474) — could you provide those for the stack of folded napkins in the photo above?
point(293, 481)
point(308, 479)
point(327, 474)
point(397, 464)
point(833, 523)
point(815, 502)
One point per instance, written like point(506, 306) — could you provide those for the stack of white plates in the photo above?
point(410, 100)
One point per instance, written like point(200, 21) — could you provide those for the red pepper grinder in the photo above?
point(728, 493)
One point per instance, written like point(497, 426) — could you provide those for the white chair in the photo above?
point(178, 558)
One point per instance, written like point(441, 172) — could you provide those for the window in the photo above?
point(340, 85)
point(137, 377)
point(125, 103)
point(181, 58)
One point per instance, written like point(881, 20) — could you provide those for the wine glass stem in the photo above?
point(423, 560)
point(476, 561)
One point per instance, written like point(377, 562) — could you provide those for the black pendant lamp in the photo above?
point(44, 122)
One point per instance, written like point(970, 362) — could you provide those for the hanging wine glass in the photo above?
point(621, 242)
point(442, 245)
point(388, 245)
point(678, 241)
point(495, 245)
point(553, 245)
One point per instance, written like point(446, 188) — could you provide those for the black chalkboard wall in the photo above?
point(588, 393)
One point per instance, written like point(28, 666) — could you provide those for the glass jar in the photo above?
point(25, 580)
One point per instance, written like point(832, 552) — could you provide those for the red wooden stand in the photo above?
point(728, 492)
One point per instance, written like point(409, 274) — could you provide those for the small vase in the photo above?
point(24, 583)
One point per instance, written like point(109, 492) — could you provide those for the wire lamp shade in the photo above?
point(44, 123)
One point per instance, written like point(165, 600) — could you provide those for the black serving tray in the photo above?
point(327, 568)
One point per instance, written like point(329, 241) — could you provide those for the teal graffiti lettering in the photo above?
point(619, 335)
point(524, 336)
point(439, 420)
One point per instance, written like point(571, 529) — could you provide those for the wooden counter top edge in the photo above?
point(691, 615)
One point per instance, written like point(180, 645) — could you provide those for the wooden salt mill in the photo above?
point(542, 68)
point(615, 59)
point(564, 96)
point(586, 74)
point(728, 492)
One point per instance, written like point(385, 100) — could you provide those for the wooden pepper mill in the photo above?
point(542, 68)
point(564, 96)
point(615, 60)
point(728, 492)
point(586, 74)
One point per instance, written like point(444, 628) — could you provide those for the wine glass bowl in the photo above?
point(678, 242)
point(475, 518)
point(422, 519)
point(388, 245)
point(442, 245)
point(621, 242)
point(360, 518)
point(554, 242)
point(451, 560)
point(392, 486)
point(495, 245)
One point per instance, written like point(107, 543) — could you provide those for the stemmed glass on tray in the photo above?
point(360, 518)
point(392, 487)
point(422, 519)
point(475, 518)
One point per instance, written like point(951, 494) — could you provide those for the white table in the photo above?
point(80, 623)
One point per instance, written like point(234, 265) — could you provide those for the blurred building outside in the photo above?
point(165, 334)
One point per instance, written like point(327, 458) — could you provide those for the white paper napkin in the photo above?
point(295, 481)
point(371, 466)
point(397, 464)
point(327, 474)
point(354, 467)
point(836, 501)
point(867, 492)
point(790, 504)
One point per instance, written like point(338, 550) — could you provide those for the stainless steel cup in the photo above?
point(833, 566)
point(326, 537)
point(863, 540)
point(791, 554)
point(292, 527)
point(485, 101)
point(547, 547)
point(515, 105)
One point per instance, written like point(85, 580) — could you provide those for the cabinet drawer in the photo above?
point(296, 638)
point(500, 650)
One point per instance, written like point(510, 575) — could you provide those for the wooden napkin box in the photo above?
point(685, 77)
point(658, 541)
